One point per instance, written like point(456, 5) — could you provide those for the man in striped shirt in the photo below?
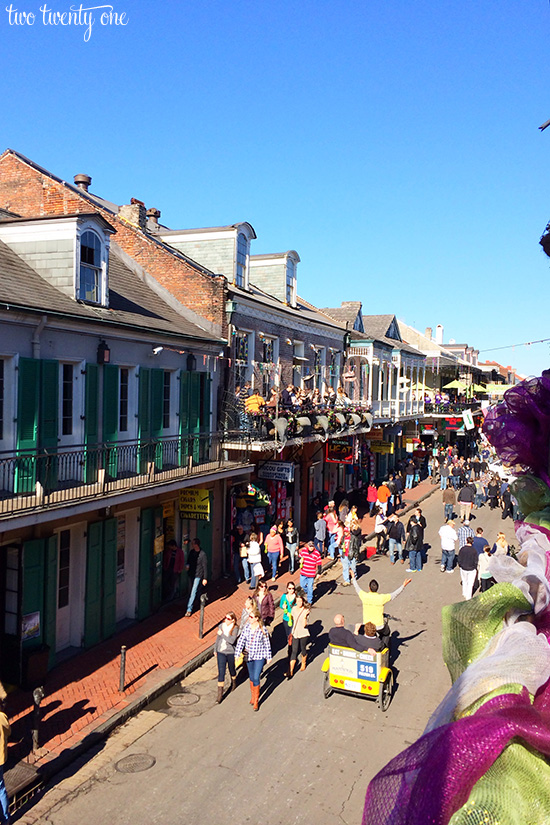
point(310, 560)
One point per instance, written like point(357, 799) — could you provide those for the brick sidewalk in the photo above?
point(82, 693)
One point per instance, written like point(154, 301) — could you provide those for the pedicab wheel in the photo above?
point(386, 690)
point(327, 690)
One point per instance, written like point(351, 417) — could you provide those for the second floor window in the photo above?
point(67, 398)
point(123, 409)
point(90, 268)
point(166, 401)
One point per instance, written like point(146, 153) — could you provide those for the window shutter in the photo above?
point(109, 577)
point(91, 422)
point(33, 585)
point(157, 389)
point(145, 577)
point(50, 606)
point(27, 404)
point(110, 417)
point(28, 388)
point(110, 403)
point(92, 607)
point(144, 418)
point(49, 404)
point(195, 412)
point(206, 391)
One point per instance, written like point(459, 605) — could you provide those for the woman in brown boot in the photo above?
point(255, 640)
point(300, 631)
point(225, 651)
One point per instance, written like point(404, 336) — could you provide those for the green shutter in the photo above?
point(48, 423)
point(146, 540)
point(206, 389)
point(50, 606)
point(92, 607)
point(33, 585)
point(195, 412)
point(144, 418)
point(110, 417)
point(184, 417)
point(91, 423)
point(28, 387)
point(109, 577)
point(157, 393)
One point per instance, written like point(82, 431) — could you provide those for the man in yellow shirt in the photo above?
point(373, 605)
point(4, 734)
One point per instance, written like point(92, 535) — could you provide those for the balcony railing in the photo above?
point(451, 407)
point(31, 480)
point(320, 423)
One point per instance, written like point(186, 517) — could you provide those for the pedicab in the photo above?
point(359, 672)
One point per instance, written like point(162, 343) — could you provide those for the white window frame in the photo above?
point(242, 278)
point(102, 268)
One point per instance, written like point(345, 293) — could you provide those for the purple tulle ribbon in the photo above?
point(519, 426)
point(427, 783)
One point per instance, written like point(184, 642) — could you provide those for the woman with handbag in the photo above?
point(228, 632)
point(264, 602)
point(255, 640)
point(300, 631)
point(286, 604)
point(254, 560)
point(352, 545)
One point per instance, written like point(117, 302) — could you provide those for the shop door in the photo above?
point(64, 595)
point(10, 599)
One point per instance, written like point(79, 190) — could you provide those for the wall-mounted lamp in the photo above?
point(191, 362)
point(289, 342)
point(103, 353)
point(261, 336)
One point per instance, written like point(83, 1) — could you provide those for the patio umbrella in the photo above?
point(455, 385)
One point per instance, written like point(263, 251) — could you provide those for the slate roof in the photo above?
point(376, 327)
point(345, 314)
point(303, 311)
point(131, 301)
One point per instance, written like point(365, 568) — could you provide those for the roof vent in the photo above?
point(153, 216)
point(83, 182)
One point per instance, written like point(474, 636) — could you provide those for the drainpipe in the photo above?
point(36, 336)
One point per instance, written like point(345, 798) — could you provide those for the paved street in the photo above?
point(301, 758)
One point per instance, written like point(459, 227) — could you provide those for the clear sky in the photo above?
point(393, 144)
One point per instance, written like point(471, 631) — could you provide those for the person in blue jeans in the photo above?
point(449, 538)
point(4, 735)
point(320, 534)
point(197, 570)
point(255, 640)
point(414, 546)
point(396, 536)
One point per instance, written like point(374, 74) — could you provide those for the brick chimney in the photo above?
point(83, 182)
point(429, 333)
point(134, 213)
point(153, 216)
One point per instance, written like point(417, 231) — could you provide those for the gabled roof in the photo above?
point(345, 314)
point(132, 303)
point(385, 330)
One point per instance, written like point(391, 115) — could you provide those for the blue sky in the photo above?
point(393, 144)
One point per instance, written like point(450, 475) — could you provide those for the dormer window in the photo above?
point(290, 282)
point(242, 260)
point(90, 268)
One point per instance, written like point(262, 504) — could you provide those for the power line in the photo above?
point(511, 346)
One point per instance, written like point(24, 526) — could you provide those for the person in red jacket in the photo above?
point(274, 548)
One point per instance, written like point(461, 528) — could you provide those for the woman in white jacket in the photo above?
point(254, 560)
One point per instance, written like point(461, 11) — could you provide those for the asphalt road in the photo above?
point(301, 758)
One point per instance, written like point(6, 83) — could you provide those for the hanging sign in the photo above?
point(385, 447)
point(340, 451)
point(276, 471)
point(195, 504)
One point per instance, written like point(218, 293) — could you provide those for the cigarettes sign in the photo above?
point(195, 504)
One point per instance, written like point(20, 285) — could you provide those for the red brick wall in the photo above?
point(29, 193)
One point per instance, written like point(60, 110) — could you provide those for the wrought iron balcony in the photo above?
point(451, 407)
point(38, 480)
point(264, 431)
